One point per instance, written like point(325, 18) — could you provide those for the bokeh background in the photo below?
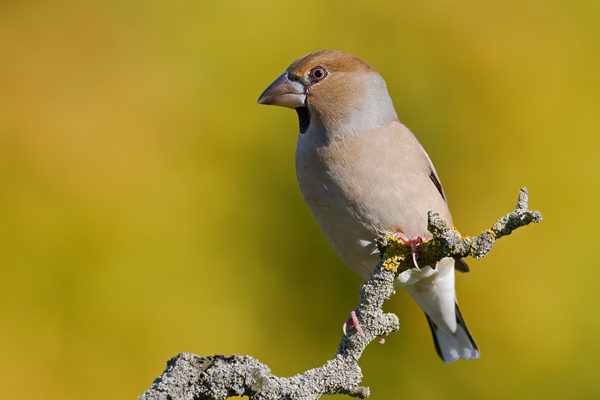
point(148, 205)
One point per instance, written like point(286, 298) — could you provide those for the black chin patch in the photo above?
point(303, 118)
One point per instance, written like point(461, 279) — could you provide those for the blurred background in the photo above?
point(149, 206)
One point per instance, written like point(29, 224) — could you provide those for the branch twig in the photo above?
point(448, 242)
point(190, 377)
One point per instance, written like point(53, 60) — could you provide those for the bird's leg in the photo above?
point(413, 243)
point(354, 321)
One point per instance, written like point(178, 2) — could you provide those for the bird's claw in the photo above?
point(354, 321)
point(413, 243)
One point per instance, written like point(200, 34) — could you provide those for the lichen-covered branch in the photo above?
point(191, 377)
point(448, 242)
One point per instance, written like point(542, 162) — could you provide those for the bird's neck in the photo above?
point(369, 111)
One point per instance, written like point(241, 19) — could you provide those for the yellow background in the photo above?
point(148, 205)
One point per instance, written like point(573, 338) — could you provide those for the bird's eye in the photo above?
point(318, 73)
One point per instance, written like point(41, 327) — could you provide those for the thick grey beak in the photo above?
point(284, 92)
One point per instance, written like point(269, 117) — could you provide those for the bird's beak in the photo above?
point(284, 92)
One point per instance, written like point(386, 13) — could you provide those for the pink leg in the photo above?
point(354, 320)
point(413, 243)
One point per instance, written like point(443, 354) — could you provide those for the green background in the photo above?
point(148, 205)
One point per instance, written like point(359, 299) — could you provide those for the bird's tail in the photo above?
point(458, 345)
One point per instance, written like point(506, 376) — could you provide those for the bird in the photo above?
point(363, 174)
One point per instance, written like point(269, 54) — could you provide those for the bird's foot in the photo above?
point(413, 243)
point(354, 321)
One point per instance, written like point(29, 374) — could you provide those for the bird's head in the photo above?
point(334, 90)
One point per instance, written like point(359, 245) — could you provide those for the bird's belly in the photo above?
point(352, 223)
point(353, 237)
point(350, 234)
point(355, 201)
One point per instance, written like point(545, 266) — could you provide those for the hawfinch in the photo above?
point(363, 174)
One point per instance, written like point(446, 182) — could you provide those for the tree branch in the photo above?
point(190, 377)
point(448, 242)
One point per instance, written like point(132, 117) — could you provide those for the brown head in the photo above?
point(335, 90)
